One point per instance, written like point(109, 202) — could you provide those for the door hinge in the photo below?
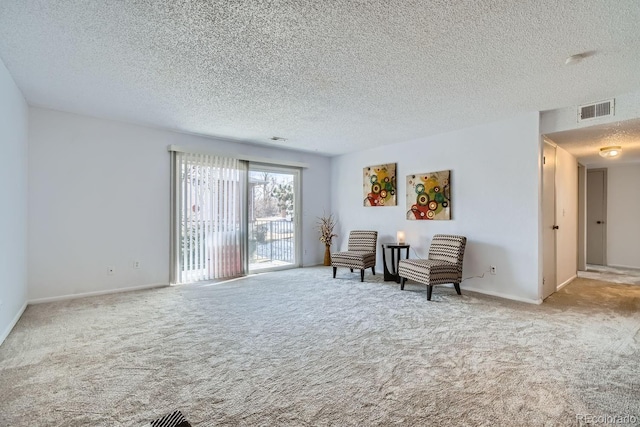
point(544, 280)
point(544, 160)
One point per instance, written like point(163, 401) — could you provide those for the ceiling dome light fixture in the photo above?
point(611, 151)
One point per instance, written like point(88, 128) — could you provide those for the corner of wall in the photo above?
point(14, 115)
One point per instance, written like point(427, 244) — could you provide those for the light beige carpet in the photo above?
point(630, 276)
point(299, 348)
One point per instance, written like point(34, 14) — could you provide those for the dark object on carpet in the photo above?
point(174, 419)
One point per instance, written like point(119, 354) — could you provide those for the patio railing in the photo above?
point(271, 242)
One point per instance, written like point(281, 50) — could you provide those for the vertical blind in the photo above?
point(208, 225)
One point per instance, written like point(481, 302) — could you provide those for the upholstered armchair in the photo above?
point(444, 264)
point(360, 254)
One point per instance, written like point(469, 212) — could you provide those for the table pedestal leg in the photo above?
point(387, 274)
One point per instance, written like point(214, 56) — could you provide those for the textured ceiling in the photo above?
point(331, 76)
point(585, 143)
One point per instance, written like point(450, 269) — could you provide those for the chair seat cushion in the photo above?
point(353, 259)
point(432, 272)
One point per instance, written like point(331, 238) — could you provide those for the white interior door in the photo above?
point(549, 276)
point(596, 216)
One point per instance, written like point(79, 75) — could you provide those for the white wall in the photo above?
point(627, 106)
point(99, 196)
point(623, 215)
point(13, 208)
point(495, 176)
point(566, 216)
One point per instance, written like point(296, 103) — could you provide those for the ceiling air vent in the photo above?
point(595, 111)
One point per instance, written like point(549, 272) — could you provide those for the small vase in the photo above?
point(327, 255)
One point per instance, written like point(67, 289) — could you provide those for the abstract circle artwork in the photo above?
point(379, 185)
point(429, 196)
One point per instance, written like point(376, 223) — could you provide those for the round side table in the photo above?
point(396, 254)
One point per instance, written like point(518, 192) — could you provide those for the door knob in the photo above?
point(598, 222)
point(556, 227)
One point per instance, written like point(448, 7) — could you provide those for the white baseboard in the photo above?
point(96, 293)
point(566, 282)
point(7, 331)
point(501, 295)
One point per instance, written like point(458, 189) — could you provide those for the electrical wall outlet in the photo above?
point(136, 264)
point(111, 271)
point(492, 269)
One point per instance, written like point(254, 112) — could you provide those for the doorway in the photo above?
point(273, 218)
point(596, 216)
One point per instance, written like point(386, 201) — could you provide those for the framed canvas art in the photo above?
point(379, 185)
point(429, 196)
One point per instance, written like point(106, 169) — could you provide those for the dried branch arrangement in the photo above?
point(326, 224)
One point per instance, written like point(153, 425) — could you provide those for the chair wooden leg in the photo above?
point(351, 269)
point(334, 272)
point(362, 275)
point(429, 289)
point(373, 269)
point(404, 279)
point(457, 286)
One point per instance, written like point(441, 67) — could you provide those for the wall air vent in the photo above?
point(596, 111)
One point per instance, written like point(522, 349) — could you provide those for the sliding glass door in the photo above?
point(273, 218)
point(230, 217)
